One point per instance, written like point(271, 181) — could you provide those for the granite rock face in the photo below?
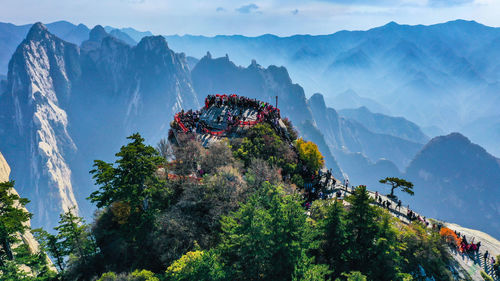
point(64, 106)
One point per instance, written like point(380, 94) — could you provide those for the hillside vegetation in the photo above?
point(243, 219)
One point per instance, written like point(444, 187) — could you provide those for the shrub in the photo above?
point(196, 265)
point(108, 276)
point(143, 275)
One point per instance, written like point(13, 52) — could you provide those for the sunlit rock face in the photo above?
point(64, 106)
point(34, 123)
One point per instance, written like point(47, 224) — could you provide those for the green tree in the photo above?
point(196, 265)
point(262, 142)
point(333, 238)
point(72, 246)
point(362, 231)
point(266, 237)
point(13, 218)
point(396, 183)
point(50, 244)
point(133, 179)
point(17, 262)
point(386, 260)
point(307, 270)
point(75, 238)
point(354, 276)
point(130, 196)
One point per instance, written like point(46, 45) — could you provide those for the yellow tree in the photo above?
point(310, 155)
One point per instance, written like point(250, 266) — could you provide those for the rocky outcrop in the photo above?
point(4, 169)
point(220, 75)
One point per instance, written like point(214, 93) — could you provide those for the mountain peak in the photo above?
point(318, 101)
point(97, 33)
point(37, 31)
point(391, 24)
point(153, 43)
point(452, 137)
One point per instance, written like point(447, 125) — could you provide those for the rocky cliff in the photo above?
point(34, 124)
point(64, 106)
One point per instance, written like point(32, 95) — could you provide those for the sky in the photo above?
point(249, 17)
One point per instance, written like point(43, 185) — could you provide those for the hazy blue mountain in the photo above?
point(192, 61)
point(349, 99)
point(486, 129)
point(69, 32)
point(123, 36)
point(11, 36)
point(443, 75)
point(133, 33)
point(344, 135)
point(433, 131)
point(49, 130)
point(384, 124)
point(456, 180)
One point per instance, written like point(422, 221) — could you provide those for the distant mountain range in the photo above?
point(11, 36)
point(64, 105)
point(444, 76)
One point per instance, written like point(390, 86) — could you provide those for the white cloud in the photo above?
point(224, 16)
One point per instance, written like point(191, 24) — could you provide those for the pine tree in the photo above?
point(362, 231)
point(12, 219)
point(396, 183)
point(16, 260)
point(333, 230)
point(266, 237)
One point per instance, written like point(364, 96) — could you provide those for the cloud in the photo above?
point(448, 3)
point(247, 9)
point(220, 9)
point(294, 12)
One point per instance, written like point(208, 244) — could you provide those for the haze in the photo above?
point(250, 18)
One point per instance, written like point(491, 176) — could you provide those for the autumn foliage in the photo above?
point(449, 235)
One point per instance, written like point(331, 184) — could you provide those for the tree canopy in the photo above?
point(396, 183)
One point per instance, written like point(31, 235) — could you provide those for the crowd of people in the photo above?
point(318, 187)
point(471, 250)
point(240, 101)
point(190, 121)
